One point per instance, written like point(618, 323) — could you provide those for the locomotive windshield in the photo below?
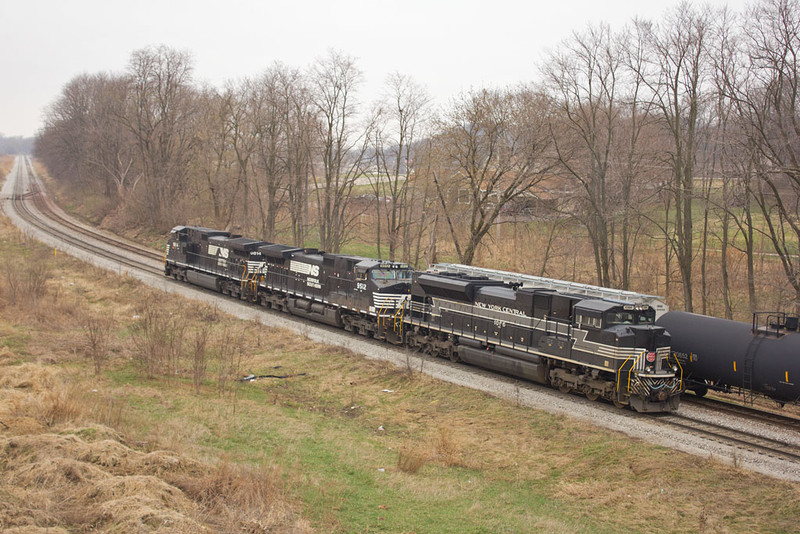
point(616, 317)
point(391, 274)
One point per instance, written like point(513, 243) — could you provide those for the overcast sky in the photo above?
point(447, 46)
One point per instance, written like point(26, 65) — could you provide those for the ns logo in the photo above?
point(214, 250)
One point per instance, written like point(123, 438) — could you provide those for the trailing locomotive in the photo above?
point(358, 294)
point(722, 355)
point(598, 347)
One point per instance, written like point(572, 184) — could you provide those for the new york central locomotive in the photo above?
point(603, 348)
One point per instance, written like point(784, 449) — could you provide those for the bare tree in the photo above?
point(584, 74)
point(63, 141)
point(493, 144)
point(300, 129)
point(277, 150)
point(770, 99)
point(161, 116)
point(398, 119)
point(214, 166)
point(676, 73)
point(634, 155)
point(341, 148)
point(244, 102)
point(730, 158)
point(84, 142)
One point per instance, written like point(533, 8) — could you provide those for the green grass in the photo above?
point(516, 470)
point(15, 338)
point(336, 464)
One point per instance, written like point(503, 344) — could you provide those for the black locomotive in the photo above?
point(602, 348)
point(598, 347)
point(357, 294)
point(762, 357)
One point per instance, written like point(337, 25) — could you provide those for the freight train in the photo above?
point(602, 348)
point(762, 357)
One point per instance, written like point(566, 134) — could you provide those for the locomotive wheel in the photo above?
point(564, 387)
point(700, 391)
point(591, 395)
point(618, 404)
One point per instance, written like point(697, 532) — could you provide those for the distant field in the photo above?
point(164, 437)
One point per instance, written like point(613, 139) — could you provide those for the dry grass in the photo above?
point(6, 163)
point(69, 458)
point(59, 473)
point(448, 450)
point(410, 459)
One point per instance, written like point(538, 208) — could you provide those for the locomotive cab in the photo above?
point(176, 246)
point(645, 378)
point(388, 282)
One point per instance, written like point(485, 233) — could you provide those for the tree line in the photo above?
point(637, 135)
point(15, 145)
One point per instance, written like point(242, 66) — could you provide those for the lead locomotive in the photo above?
point(599, 347)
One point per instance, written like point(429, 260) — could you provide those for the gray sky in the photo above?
point(446, 45)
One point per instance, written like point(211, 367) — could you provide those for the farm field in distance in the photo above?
point(339, 444)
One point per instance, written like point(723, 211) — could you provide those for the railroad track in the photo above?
point(785, 421)
point(737, 438)
point(44, 215)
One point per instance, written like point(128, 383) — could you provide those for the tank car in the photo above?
point(762, 357)
point(602, 348)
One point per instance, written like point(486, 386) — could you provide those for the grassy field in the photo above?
point(163, 438)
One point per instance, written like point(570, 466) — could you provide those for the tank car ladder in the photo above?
point(748, 366)
point(759, 334)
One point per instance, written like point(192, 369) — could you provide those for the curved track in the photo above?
point(30, 202)
point(32, 205)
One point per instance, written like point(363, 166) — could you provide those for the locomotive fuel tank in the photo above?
point(724, 353)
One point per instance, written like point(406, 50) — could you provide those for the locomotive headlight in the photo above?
point(674, 368)
point(650, 368)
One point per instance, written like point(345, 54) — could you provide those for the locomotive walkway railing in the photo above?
point(529, 280)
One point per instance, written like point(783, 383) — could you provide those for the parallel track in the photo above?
point(737, 438)
point(43, 213)
point(785, 421)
